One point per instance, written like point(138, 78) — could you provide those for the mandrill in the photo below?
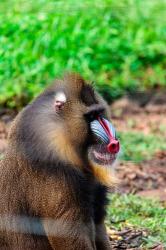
point(56, 171)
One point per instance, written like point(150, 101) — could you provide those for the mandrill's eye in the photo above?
point(93, 112)
point(60, 100)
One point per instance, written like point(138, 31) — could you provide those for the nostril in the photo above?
point(113, 147)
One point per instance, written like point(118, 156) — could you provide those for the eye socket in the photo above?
point(93, 112)
point(90, 117)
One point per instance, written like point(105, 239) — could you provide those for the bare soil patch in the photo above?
point(147, 178)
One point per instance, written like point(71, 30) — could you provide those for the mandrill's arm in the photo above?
point(66, 223)
point(70, 236)
point(101, 237)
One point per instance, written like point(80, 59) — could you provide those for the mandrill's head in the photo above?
point(68, 123)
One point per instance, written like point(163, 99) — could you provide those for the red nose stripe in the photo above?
point(106, 128)
point(113, 146)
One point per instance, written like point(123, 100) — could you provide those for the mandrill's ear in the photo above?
point(60, 100)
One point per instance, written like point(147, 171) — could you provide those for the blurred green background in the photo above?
point(120, 45)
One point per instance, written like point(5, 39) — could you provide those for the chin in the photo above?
point(99, 155)
point(102, 164)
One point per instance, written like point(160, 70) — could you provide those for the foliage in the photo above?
point(130, 210)
point(118, 44)
point(137, 146)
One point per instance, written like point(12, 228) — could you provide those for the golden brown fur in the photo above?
point(49, 187)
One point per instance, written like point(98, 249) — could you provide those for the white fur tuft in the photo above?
point(60, 97)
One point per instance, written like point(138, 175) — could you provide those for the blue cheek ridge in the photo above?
point(99, 131)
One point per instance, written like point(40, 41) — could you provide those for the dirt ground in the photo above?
point(147, 178)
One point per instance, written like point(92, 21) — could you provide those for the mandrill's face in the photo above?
point(69, 123)
point(84, 115)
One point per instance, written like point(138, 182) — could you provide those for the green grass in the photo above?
point(140, 213)
point(118, 44)
point(137, 146)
